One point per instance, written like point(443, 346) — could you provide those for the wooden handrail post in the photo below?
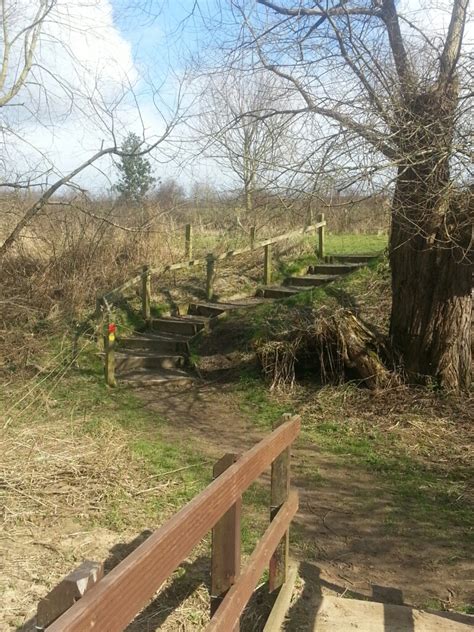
point(321, 237)
point(252, 236)
point(188, 242)
point(99, 315)
point(280, 488)
point(109, 358)
point(210, 275)
point(267, 265)
point(146, 293)
point(226, 537)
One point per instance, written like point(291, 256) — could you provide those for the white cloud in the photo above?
point(84, 84)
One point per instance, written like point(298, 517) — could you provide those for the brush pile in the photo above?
point(338, 345)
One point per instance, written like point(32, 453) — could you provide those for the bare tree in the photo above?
point(33, 97)
point(375, 75)
point(235, 135)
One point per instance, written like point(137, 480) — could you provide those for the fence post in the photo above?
point(210, 275)
point(252, 236)
point(188, 242)
point(225, 555)
point(267, 265)
point(146, 293)
point(109, 348)
point(321, 237)
point(99, 315)
point(67, 592)
point(280, 488)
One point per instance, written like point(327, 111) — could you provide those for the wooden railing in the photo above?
point(114, 600)
point(210, 260)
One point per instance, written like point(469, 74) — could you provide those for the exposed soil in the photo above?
point(340, 532)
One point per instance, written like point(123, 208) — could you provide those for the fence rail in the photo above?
point(114, 600)
point(190, 263)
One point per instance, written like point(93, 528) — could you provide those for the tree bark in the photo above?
point(430, 252)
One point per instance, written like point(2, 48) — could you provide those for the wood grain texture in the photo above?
point(280, 488)
point(237, 597)
point(226, 539)
point(116, 600)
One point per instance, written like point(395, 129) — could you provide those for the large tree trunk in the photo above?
point(429, 254)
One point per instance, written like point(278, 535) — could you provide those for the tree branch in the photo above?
point(452, 46)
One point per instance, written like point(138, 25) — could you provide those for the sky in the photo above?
point(114, 56)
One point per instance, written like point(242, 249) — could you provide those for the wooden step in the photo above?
point(184, 325)
point(209, 309)
point(156, 377)
point(278, 291)
point(335, 614)
point(309, 280)
point(157, 343)
point(363, 259)
point(143, 359)
point(334, 268)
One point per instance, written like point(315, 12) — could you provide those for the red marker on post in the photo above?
point(112, 328)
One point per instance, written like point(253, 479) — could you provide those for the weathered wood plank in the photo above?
point(67, 592)
point(283, 601)
point(321, 246)
point(280, 488)
point(225, 556)
point(267, 265)
point(210, 276)
point(188, 242)
point(237, 597)
point(122, 593)
point(146, 293)
point(109, 359)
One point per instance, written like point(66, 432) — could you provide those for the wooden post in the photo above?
point(188, 242)
point(109, 365)
point(280, 488)
point(321, 237)
point(252, 237)
point(146, 293)
point(66, 593)
point(99, 314)
point(225, 555)
point(211, 272)
point(267, 265)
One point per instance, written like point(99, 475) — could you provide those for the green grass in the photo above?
point(350, 244)
point(427, 499)
point(160, 457)
point(256, 403)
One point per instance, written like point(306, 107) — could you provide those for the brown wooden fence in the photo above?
point(210, 260)
point(114, 600)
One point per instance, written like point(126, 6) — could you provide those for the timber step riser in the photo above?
point(206, 310)
point(149, 380)
point(278, 292)
point(307, 281)
point(130, 363)
point(172, 347)
point(334, 269)
point(182, 328)
point(362, 259)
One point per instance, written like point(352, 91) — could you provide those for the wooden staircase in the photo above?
point(320, 274)
point(161, 354)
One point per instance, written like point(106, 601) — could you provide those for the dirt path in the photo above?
point(340, 532)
